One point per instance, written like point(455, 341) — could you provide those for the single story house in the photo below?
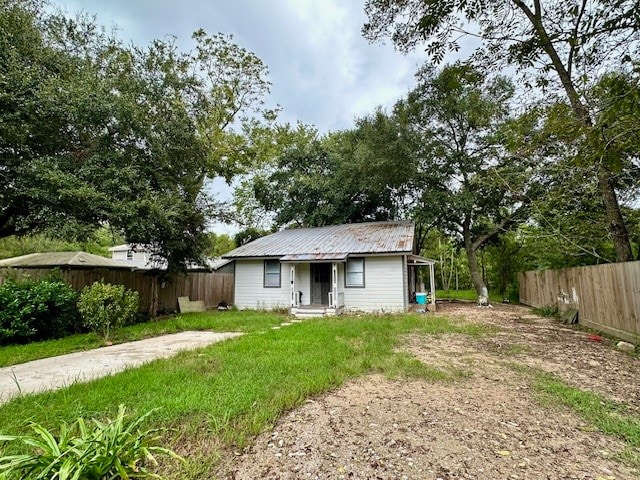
point(368, 267)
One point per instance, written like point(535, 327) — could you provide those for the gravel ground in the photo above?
point(488, 423)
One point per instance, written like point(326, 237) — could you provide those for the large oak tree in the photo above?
point(471, 185)
point(560, 46)
point(93, 132)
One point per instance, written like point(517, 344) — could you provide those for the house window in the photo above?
point(354, 276)
point(272, 273)
point(129, 255)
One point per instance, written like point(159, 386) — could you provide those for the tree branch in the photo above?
point(573, 39)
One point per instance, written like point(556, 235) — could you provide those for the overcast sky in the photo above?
point(323, 71)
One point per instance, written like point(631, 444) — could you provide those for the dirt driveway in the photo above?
point(488, 423)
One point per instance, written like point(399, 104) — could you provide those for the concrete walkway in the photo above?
point(64, 370)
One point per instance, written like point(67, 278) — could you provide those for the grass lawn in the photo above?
point(235, 389)
point(466, 295)
point(228, 321)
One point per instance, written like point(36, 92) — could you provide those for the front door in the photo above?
point(320, 279)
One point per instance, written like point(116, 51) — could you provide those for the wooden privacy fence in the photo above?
point(607, 297)
point(157, 293)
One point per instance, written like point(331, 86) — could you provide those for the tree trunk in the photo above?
point(617, 227)
point(474, 269)
point(472, 260)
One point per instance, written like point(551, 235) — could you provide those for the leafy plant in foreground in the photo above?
point(111, 450)
point(105, 307)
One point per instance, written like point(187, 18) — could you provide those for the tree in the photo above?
point(471, 186)
point(569, 214)
point(563, 44)
point(92, 132)
point(267, 145)
point(356, 175)
point(221, 243)
point(249, 235)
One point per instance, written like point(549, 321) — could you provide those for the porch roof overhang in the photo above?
point(315, 257)
point(418, 260)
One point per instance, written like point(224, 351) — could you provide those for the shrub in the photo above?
point(37, 310)
point(114, 450)
point(105, 307)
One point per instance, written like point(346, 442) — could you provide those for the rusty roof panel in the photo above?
point(308, 257)
point(326, 243)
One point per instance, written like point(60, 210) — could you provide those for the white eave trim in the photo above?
point(418, 260)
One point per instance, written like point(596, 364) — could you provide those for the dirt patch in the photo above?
point(486, 424)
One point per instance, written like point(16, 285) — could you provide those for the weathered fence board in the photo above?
point(157, 294)
point(607, 297)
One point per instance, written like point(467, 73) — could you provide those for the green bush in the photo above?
point(105, 307)
point(37, 310)
point(113, 450)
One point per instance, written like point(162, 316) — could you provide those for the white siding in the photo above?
point(140, 259)
point(249, 287)
point(384, 289)
point(119, 255)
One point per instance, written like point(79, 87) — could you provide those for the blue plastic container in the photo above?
point(421, 298)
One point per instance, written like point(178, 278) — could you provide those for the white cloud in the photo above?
point(323, 71)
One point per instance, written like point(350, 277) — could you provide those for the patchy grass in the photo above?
point(549, 311)
point(609, 417)
point(227, 321)
point(227, 393)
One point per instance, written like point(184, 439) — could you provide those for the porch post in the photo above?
point(293, 295)
point(334, 284)
point(432, 284)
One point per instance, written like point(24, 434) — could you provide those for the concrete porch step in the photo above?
point(312, 312)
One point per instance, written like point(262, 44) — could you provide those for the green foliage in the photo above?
point(220, 244)
point(116, 449)
point(363, 174)
point(105, 307)
point(548, 42)
point(248, 235)
point(451, 269)
point(548, 311)
point(98, 244)
point(33, 310)
point(79, 148)
point(470, 185)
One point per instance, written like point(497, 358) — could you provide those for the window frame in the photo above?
point(346, 273)
point(265, 272)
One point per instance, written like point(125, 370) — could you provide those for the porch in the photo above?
point(315, 289)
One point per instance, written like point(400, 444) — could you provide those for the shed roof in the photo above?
point(62, 259)
point(331, 242)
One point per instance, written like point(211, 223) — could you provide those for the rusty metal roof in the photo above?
point(331, 242)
